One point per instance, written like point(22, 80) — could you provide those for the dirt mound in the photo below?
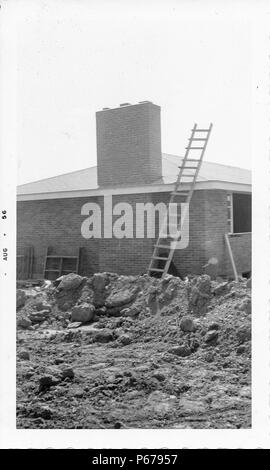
point(141, 353)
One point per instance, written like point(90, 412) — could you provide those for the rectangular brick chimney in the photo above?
point(129, 145)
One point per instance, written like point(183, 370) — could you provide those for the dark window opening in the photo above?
point(241, 213)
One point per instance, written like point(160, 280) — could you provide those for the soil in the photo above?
point(156, 354)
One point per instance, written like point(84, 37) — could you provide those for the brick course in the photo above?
point(57, 223)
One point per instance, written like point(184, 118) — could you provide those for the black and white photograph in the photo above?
point(130, 232)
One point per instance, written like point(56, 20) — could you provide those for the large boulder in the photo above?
point(118, 299)
point(84, 313)
point(70, 281)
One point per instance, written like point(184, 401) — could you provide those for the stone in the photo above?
point(181, 351)
point(187, 324)
point(83, 313)
point(99, 282)
point(74, 324)
point(211, 336)
point(47, 381)
point(20, 298)
point(132, 312)
point(119, 299)
point(220, 288)
point(70, 282)
point(124, 339)
point(67, 372)
point(24, 355)
point(241, 350)
point(213, 326)
point(42, 305)
point(43, 412)
point(103, 335)
point(24, 322)
point(39, 317)
point(159, 376)
point(248, 284)
point(243, 334)
point(199, 294)
point(245, 306)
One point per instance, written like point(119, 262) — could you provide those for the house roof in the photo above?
point(84, 181)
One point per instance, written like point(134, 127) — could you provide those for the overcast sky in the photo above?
point(74, 58)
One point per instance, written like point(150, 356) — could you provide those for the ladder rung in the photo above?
point(156, 269)
point(193, 159)
point(188, 167)
point(201, 130)
point(194, 148)
point(160, 257)
point(197, 138)
point(163, 246)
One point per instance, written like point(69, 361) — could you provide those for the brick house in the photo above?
point(131, 168)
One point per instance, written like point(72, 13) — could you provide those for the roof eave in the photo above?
point(202, 185)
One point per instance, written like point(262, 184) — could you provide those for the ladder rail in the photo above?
point(175, 193)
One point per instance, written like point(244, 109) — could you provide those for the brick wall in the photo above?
point(129, 145)
point(57, 223)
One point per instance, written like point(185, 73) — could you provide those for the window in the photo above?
point(239, 212)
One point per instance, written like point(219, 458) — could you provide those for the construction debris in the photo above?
point(135, 350)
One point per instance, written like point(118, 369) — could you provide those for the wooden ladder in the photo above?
point(165, 246)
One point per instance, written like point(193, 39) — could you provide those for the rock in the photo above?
point(74, 324)
point(187, 324)
point(83, 313)
point(132, 312)
point(245, 306)
point(43, 412)
point(220, 288)
point(20, 298)
point(119, 299)
point(213, 326)
point(67, 372)
point(248, 284)
point(24, 322)
point(199, 294)
point(70, 282)
point(211, 336)
point(153, 300)
point(159, 376)
point(209, 356)
point(39, 317)
point(240, 350)
point(182, 351)
point(42, 305)
point(102, 336)
point(47, 381)
point(99, 282)
point(124, 339)
point(243, 334)
point(24, 355)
